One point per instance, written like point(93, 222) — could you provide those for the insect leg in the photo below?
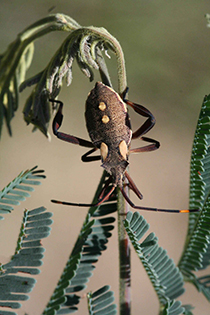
point(153, 209)
point(133, 186)
point(86, 158)
point(151, 147)
point(98, 203)
point(57, 121)
point(143, 111)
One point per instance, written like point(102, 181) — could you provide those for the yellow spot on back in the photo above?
point(102, 106)
point(123, 149)
point(105, 119)
point(104, 151)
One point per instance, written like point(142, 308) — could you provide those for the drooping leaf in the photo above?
point(76, 46)
point(17, 59)
point(85, 44)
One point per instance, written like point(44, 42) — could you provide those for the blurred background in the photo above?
point(167, 47)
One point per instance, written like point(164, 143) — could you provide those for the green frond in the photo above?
point(26, 260)
point(196, 254)
point(199, 165)
point(164, 275)
point(173, 308)
point(198, 243)
point(17, 59)
point(202, 283)
point(88, 248)
point(188, 309)
point(13, 75)
point(85, 44)
point(59, 296)
point(19, 189)
point(101, 301)
point(8, 313)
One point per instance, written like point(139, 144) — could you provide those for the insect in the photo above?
point(109, 128)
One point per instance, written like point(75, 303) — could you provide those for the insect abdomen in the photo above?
point(106, 116)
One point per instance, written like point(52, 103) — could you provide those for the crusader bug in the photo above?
point(109, 128)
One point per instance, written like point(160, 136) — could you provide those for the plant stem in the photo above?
point(122, 207)
point(124, 259)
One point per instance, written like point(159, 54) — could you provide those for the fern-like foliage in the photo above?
point(174, 308)
point(196, 254)
point(17, 59)
point(59, 299)
point(14, 287)
point(101, 301)
point(19, 189)
point(188, 309)
point(90, 244)
point(15, 70)
point(85, 45)
point(165, 277)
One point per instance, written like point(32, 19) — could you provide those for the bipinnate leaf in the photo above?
point(101, 301)
point(14, 284)
point(16, 60)
point(90, 244)
point(19, 189)
point(165, 277)
point(196, 254)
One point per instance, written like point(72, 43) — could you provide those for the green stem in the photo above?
point(114, 45)
point(123, 240)
point(61, 21)
point(124, 259)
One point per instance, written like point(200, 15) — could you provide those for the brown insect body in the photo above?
point(109, 128)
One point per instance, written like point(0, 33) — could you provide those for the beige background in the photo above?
point(167, 49)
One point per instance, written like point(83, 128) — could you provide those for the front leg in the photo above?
point(57, 121)
point(143, 111)
point(87, 158)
